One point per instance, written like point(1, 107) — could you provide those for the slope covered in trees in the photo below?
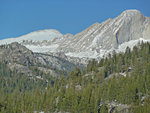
point(122, 79)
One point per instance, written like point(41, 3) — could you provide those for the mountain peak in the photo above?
point(131, 12)
point(46, 30)
point(47, 34)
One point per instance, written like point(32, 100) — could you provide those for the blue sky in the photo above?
point(19, 17)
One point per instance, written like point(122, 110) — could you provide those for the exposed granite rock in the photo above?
point(21, 59)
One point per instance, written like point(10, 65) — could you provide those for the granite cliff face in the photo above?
point(96, 41)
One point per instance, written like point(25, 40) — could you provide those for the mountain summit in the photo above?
point(95, 41)
point(100, 39)
point(47, 34)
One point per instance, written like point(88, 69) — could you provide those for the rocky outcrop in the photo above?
point(21, 59)
point(16, 53)
point(114, 107)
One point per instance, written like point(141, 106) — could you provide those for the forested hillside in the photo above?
point(116, 84)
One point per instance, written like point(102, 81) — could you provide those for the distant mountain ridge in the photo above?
point(95, 41)
point(47, 34)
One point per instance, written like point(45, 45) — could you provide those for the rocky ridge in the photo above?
point(21, 59)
